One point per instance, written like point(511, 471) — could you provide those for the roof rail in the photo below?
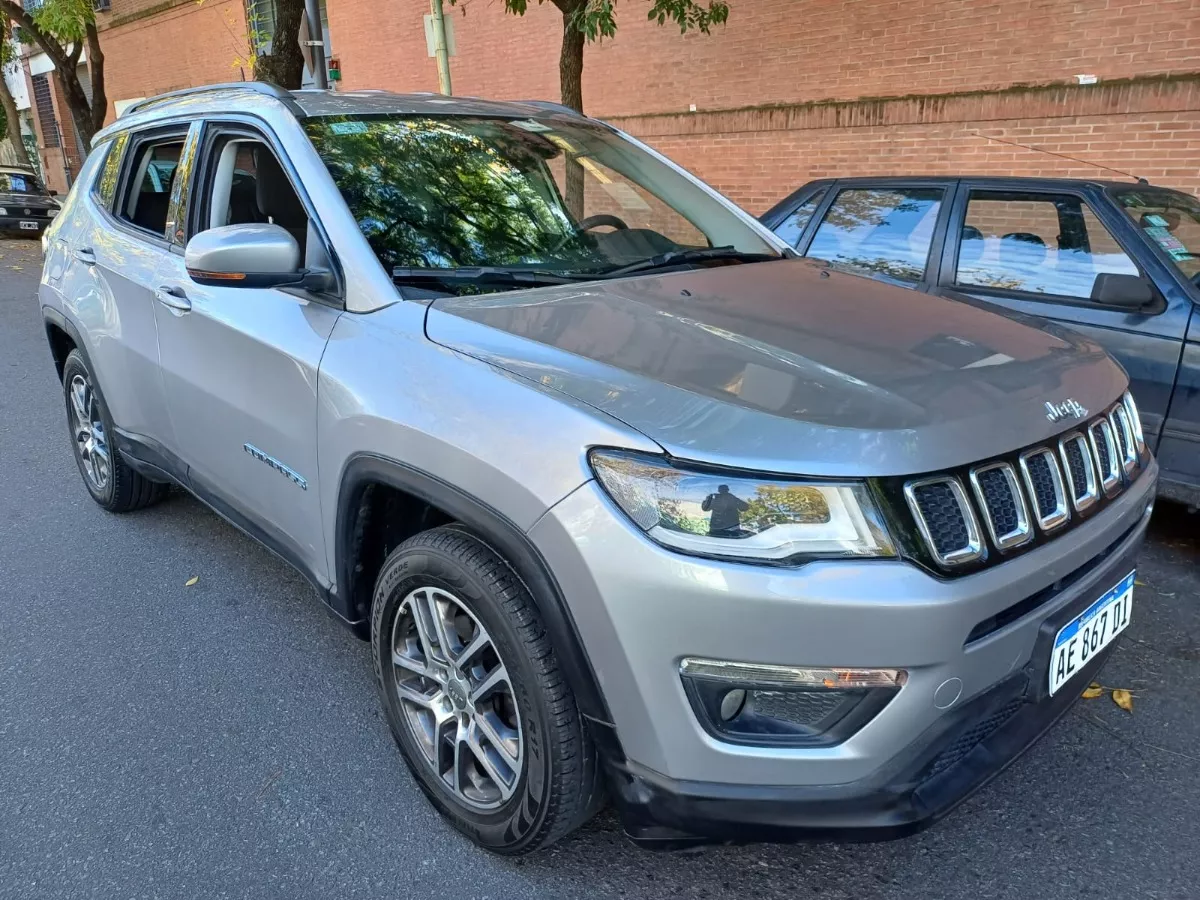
point(553, 107)
point(259, 87)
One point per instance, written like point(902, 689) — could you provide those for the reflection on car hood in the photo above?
point(27, 201)
point(788, 366)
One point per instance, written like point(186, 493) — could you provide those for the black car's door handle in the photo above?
point(173, 298)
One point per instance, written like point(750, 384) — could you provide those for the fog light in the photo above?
point(752, 703)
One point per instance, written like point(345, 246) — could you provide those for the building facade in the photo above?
point(788, 90)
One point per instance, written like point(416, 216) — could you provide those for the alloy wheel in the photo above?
point(91, 442)
point(457, 698)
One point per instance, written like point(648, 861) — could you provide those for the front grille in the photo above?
point(1043, 487)
point(972, 737)
point(945, 519)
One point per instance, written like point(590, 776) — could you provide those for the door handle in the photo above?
point(173, 298)
point(86, 256)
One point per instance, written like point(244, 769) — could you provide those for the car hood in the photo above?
point(27, 201)
point(789, 366)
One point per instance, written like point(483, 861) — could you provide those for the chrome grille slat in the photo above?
point(1044, 482)
point(1003, 505)
point(945, 519)
point(1080, 471)
point(1104, 450)
point(1118, 418)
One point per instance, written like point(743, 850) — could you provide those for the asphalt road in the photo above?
point(223, 740)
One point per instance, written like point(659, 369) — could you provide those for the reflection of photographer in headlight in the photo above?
point(726, 510)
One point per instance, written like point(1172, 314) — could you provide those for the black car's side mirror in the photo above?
point(1125, 291)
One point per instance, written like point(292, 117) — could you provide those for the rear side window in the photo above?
point(146, 197)
point(882, 232)
point(105, 188)
point(1036, 243)
point(793, 226)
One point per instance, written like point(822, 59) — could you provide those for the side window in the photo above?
point(105, 188)
point(246, 183)
point(146, 197)
point(882, 232)
point(1036, 243)
point(793, 226)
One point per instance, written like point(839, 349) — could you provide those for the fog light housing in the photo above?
point(766, 705)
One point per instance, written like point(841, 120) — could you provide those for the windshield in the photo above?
point(1171, 220)
point(548, 195)
point(19, 183)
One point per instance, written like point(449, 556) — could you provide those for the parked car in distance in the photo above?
point(628, 501)
point(26, 208)
point(1117, 261)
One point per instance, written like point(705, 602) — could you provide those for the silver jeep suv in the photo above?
point(629, 503)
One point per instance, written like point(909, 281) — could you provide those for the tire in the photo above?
point(106, 475)
point(557, 784)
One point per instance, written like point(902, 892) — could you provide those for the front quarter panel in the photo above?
point(512, 444)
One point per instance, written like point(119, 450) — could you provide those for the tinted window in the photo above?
point(881, 232)
point(1036, 243)
point(1171, 220)
point(19, 183)
point(147, 196)
point(106, 184)
point(792, 227)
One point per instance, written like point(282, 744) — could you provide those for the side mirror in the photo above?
point(1124, 291)
point(244, 256)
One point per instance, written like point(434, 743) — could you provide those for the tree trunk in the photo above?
point(570, 80)
point(95, 65)
point(13, 128)
point(284, 65)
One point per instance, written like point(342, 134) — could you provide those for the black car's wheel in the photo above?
point(474, 695)
point(108, 478)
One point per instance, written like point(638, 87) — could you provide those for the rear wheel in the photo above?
point(108, 478)
point(474, 695)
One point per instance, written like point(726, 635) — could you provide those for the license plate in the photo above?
point(29, 226)
point(1090, 632)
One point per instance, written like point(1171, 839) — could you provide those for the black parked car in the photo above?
point(1117, 261)
point(26, 207)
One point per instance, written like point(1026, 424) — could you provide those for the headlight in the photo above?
point(740, 515)
point(51, 213)
point(3, 211)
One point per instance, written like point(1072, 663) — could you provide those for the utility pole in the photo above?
point(316, 43)
point(441, 49)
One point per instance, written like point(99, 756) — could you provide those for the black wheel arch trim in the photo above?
point(508, 540)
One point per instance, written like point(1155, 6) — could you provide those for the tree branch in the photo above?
point(52, 48)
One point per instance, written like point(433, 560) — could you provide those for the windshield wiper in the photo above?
point(482, 275)
point(682, 257)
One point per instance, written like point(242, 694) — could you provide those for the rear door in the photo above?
point(1039, 252)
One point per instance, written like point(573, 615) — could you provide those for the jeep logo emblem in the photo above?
point(1068, 409)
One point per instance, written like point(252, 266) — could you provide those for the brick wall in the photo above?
point(758, 83)
point(152, 46)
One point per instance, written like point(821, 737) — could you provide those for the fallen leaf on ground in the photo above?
point(1123, 699)
point(1092, 691)
point(1140, 583)
point(191, 581)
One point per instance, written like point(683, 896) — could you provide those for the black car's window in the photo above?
point(106, 185)
point(20, 183)
point(247, 184)
point(1169, 219)
point(1037, 243)
point(147, 196)
point(883, 232)
point(792, 227)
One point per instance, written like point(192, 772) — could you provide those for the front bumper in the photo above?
point(12, 225)
point(640, 610)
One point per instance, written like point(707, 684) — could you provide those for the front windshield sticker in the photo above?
point(1180, 253)
point(1163, 237)
point(531, 125)
point(348, 127)
point(18, 184)
point(1156, 220)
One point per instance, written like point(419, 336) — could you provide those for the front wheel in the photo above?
point(474, 695)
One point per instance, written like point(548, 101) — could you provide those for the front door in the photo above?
point(240, 365)
point(1039, 252)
